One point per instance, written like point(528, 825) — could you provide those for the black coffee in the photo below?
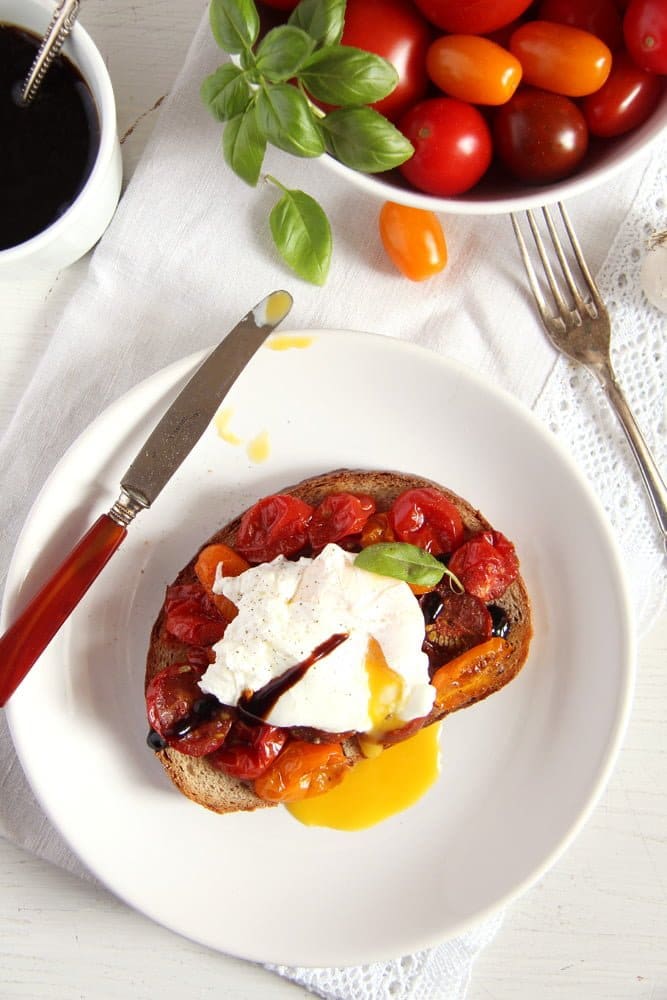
point(47, 148)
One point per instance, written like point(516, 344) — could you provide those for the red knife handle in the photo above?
point(33, 630)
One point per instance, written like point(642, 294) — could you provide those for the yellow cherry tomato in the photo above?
point(413, 239)
point(473, 69)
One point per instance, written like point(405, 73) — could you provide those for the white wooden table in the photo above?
point(595, 927)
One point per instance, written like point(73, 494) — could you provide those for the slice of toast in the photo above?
point(214, 789)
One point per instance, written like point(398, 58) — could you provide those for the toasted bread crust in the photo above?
point(194, 776)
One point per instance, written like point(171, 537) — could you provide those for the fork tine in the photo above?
point(530, 270)
point(562, 259)
point(581, 261)
point(562, 305)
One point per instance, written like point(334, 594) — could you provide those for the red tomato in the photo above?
point(560, 58)
point(600, 17)
point(425, 517)
point(395, 30)
point(625, 101)
point(191, 615)
point(452, 143)
point(486, 565)
point(338, 516)
point(276, 525)
point(413, 239)
point(188, 720)
point(301, 771)
point(460, 621)
point(540, 137)
point(645, 31)
point(473, 69)
point(474, 17)
point(249, 750)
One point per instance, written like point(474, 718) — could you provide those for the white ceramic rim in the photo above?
point(83, 52)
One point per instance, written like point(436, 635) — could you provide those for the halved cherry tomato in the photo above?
point(276, 525)
point(425, 517)
point(473, 69)
point(460, 621)
point(600, 17)
point(249, 750)
point(206, 567)
point(191, 615)
point(540, 137)
point(474, 17)
point(302, 770)
point(561, 59)
point(452, 143)
point(377, 529)
point(337, 516)
point(645, 32)
point(486, 565)
point(182, 715)
point(471, 675)
point(624, 102)
point(413, 239)
point(395, 30)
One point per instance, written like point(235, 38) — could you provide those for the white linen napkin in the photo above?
point(187, 254)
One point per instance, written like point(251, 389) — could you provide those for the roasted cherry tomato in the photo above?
point(600, 17)
point(625, 101)
point(206, 567)
point(486, 565)
point(249, 750)
point(191, 615)
point(339, 515)
point(187, 719)
point(301, 771)
point(452, 143)
point(473, 69)
point(377, 529)
point(474, 17)
point(413, 239)
point(470, 676)
point(276, 525)
point(425, 517)
point(395, 30)
point(559, 58)
point(540, 137)
point(454, 623)
point(645, 32)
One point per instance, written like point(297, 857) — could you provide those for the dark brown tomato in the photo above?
point(454, 623)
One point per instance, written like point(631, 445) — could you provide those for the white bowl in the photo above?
point(495, 194)
point(78, 229)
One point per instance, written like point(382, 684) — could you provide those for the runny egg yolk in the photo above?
point(387, 781)
point(377, 787)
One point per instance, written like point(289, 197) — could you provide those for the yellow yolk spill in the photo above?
point(376, 788)
point(258, 449)
point(387, 781)
point(222, 422)
point(284, 341)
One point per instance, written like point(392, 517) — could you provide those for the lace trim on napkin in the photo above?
point(573, 406)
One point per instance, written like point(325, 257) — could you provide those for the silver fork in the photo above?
point(581, 330)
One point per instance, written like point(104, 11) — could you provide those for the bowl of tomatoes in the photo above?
point(511, 104)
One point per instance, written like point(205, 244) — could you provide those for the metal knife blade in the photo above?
point(164, 451)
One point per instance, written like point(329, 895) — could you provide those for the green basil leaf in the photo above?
point(243, 146)
point(282, 51)
point(342, 75)
point(364, 140)
point(226, 92)
point(302, 234)
point(324, 20)
point(234, 23)
point(287, 121)
point(401, 561)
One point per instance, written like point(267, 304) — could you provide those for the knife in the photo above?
point(172, 440)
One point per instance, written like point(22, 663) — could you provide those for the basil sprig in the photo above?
point(266, 96)
point(405, 562)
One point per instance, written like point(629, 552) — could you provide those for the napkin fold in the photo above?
point(189, 251)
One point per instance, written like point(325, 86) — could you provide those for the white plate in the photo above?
point(521, 771)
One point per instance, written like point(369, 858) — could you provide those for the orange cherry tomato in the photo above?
point(560, 58)
point(302, 770)
point(469, 676)
point(413, 239)
point(205, 569)
point(473, 68)
point(377, 529)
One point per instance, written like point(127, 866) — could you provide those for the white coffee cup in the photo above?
point(80, 227)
